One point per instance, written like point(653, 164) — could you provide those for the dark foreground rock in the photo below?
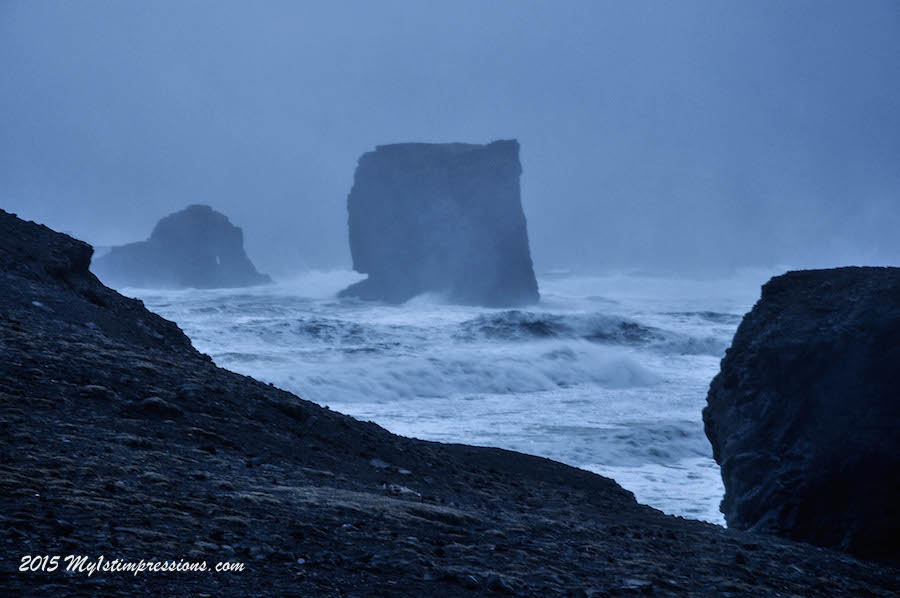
point(804, 417)
point(121, 440)
point(194, 248)
point(443, 218)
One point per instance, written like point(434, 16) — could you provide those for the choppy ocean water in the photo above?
point(606, 373)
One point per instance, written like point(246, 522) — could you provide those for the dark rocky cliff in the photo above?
point(121, 440)
point(804, 417)
point(194, 248)
point(443, 218)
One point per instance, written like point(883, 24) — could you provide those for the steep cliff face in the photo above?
point(442, 218)
point(196, 247)
point(804, 417)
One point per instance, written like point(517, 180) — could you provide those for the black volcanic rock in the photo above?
point(50, 273)
point(194, 248)
point(804, 416)
point(443, 218)
point(120, 440)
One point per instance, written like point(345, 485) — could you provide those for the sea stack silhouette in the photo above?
point(197, 247)
point(441, 218)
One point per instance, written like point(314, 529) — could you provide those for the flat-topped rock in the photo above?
point(194, 248)
point(441, 218)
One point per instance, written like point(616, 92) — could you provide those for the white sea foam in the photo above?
point(606, 373)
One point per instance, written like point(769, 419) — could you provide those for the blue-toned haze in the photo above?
point(675, 155)
point(686, 136)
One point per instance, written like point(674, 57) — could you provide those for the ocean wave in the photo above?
point(682, 344)
point(518, 325)
point(447, 371)
point(710, 316)
point(609, 374)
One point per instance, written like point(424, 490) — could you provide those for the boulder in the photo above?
point(804, 416)
point(441, 218)
point(194, 248)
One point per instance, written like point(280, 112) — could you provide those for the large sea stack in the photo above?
point(804, 417)
point(443, 218)
point(194, 248)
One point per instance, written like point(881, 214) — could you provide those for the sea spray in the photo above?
point(605, 373)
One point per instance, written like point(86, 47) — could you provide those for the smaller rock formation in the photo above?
point(804, 416)
point(194, 248)
point(443, 218)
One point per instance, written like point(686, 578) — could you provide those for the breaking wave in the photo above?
point(610, 381)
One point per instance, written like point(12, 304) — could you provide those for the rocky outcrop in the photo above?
point(442, 218)
point(122, 441)
point(48, 272)
point(194, 248)
point(804, 416)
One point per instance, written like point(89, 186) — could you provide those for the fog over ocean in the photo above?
point(532, 298)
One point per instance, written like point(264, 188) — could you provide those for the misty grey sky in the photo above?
point(688, 135)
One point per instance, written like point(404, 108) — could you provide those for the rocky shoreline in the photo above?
point(126, 442)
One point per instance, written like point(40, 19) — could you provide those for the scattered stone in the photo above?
point(156, 478)
point(642, 585)
point(190, 392)
point(157, 407)
point(94, 391)
point(497, 584)
point(398, 490)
